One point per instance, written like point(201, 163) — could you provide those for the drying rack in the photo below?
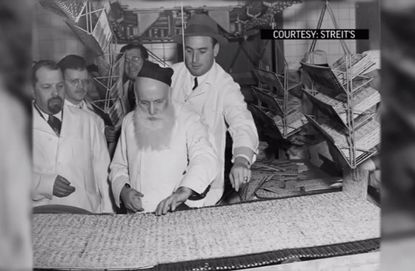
point(345, 85)
point(276, 88)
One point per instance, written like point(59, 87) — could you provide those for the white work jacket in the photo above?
point(84, 105)
point(79, 154)
point(189, 161)
point(219, 101)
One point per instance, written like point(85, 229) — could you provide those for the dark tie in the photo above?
point(131, 95)
point(195, 84)
point(55, 123)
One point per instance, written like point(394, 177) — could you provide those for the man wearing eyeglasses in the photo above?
point(77, 82)
point(70, 158)
point(134, 56)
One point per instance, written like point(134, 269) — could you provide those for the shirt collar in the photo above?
point(80, 105)
point(44, 115)
point(200, 79)
point(205, 78)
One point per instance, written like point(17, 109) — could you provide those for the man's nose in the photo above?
point(55, 91)
point(81, 84)
point(152, 109)
point(195, 57)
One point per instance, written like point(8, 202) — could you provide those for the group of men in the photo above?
point(171, 147)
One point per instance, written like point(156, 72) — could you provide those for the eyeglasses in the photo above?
point(77, 82)
point(134, 59)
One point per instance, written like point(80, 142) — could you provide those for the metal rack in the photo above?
point(348, 90)
point(89, 22)
point(66, 8)
point(280, 91)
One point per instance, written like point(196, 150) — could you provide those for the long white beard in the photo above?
point(154, 132)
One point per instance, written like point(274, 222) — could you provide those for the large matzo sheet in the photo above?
point(145, 240)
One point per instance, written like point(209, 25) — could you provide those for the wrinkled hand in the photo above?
point(62, 187)
point(174, 200)
point(240, 173)
point(111, 134)
point(132, 199)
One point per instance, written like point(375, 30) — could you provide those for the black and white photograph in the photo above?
point(207, 135)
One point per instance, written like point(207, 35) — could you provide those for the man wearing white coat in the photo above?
point(163, 157)
point(77, 82)
point(70, 156)
point(202, 84)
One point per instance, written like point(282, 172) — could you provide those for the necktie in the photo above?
point(195, 84)
point(55, 123)
point(131, 95)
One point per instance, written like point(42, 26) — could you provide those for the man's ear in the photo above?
point(216, 49)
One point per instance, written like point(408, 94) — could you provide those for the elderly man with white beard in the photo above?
point(163, 158)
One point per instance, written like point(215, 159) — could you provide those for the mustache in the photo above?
point(153, 131)
point(154, 118)
point(55, 104)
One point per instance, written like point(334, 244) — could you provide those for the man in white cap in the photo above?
point(163, 157)
point(202, 84)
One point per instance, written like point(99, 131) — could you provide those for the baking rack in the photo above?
point(335, 91)
point(275, 95)
point(89, 22)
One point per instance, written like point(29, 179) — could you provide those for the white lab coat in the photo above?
point(190, 161)
point(80, 155)
point(219, 101)
point(84, 105)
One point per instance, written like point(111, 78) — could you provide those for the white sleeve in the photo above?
point(241, 123)
point(203, 162)
point(100, 166)
point(119, 175)
point(42, 185)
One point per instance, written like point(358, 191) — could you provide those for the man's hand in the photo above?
point(131, 199)
point(62, 187)
point(240, 173)
point(174, 200)
point(111, 134)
